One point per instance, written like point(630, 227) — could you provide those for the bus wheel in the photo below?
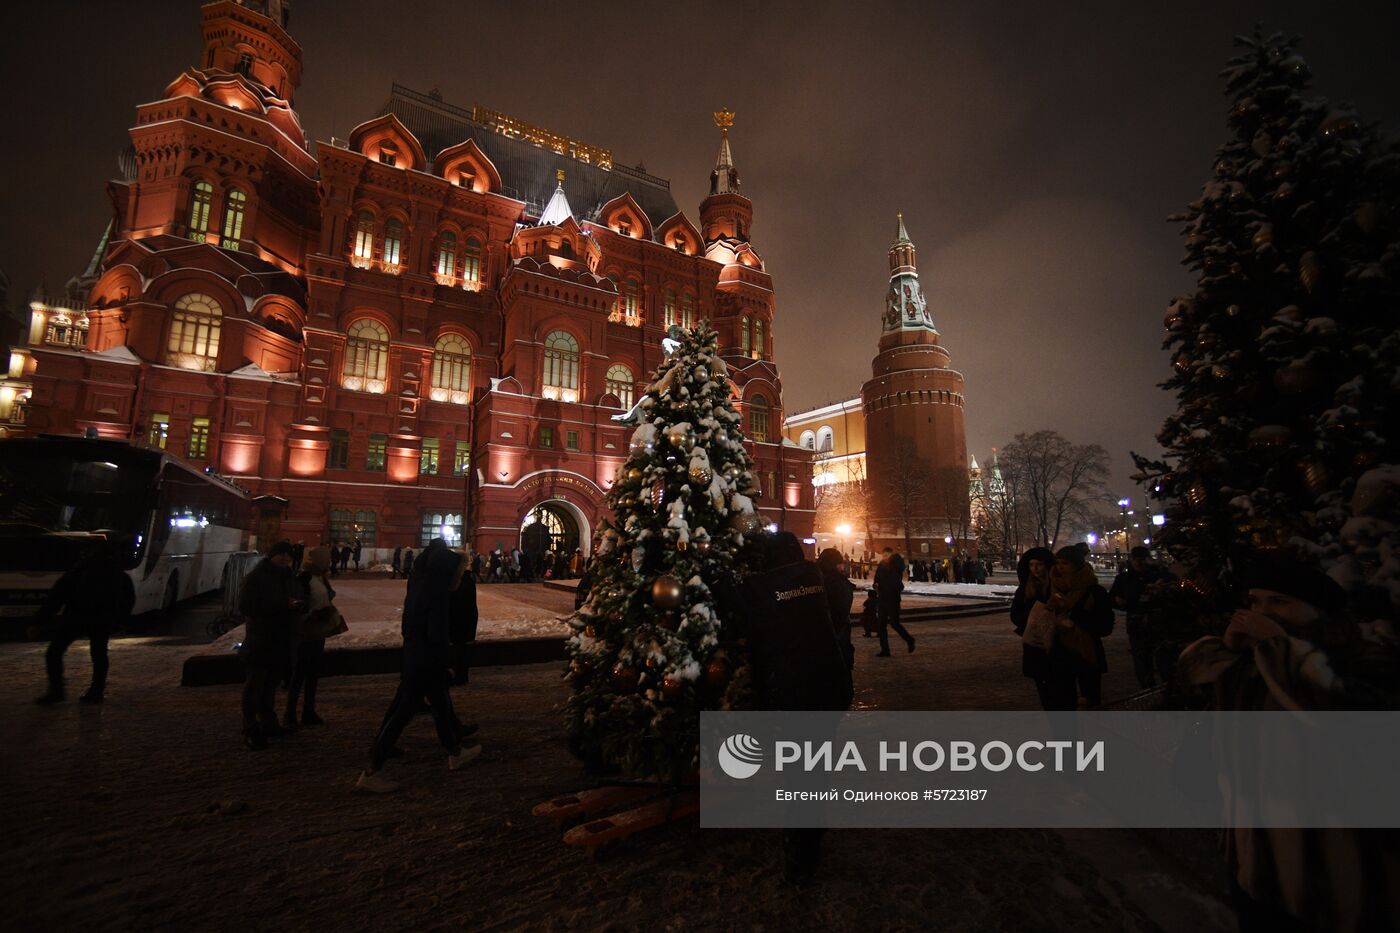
point(172, 595)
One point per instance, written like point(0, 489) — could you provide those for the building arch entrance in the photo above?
point(553, 525)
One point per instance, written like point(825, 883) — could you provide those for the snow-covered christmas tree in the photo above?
point(654, 644)
point(1287, 355)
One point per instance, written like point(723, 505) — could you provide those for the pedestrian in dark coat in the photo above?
point(1075, 664)
point(272, 604)
point(408, 559)
point(306, 668)
point(889, 582)
point(840, 594)
point(798, 660)
point(95, 597)
point(397, 566)
point(463, 622)
point(1129, 588)
point(426, 645)
point(355, 554)
point(870, 613)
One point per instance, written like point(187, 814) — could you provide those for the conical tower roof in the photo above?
point(557, 210)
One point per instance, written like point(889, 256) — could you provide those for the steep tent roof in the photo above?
point(528, 172)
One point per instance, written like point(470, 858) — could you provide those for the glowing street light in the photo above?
point(843, 529)
point(1092, 539)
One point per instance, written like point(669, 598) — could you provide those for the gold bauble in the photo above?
point(666, 591)
point(672, 687)
point(590, 631)
point(716, 673)
point(703, 545)
point(633, 475)
point(624, 678)
point(681, 437)
point(701, 475)
point(1263, 236)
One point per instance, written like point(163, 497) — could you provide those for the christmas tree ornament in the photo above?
point(1367, 216)
point(672, 687)
point(716, 673)
point(590, 631)
point(746, 523)
point(1233, 311)
point(730, 472)
point(1314, 476)
point(633, 475)
point(682, 544)
point(658, 494)
point(666, 591)
point(1196, 495)
point(681, 437)
point(700, 475)
point(1182, 363)
point(703, 545)
point(1270, 435)
point(625, 678)
point(1172, 318)
point(651, 663)
point(702, 374)
point(1263, 236)
point(1309, 270)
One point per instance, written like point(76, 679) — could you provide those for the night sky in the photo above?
point(1035, 150)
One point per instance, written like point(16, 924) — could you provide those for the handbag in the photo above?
point(323, 623)
point(1040, 628)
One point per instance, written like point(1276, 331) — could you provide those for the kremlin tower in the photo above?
point(913, 407)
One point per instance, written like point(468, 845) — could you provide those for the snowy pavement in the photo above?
point(147, 814)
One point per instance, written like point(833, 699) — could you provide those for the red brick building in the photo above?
point(432, 323)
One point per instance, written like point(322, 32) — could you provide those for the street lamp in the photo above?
point(1123, 509)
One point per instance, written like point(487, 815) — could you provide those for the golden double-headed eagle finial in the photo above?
point(724, 119)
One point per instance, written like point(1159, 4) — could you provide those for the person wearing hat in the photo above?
point(840, 594)
point(1140, 579)
point(1293, 647)
point(272, 603)
point(320, 595)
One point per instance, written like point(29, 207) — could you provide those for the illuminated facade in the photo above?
point(429, 326)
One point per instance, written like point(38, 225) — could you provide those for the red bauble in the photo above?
point(624, 678)
point(672, 687)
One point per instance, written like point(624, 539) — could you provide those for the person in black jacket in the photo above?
point(272, 603)
point(1076, 661)
point(889, 583)
point(426, 644)
point(840, 594)
point(798, 659)
point(96, 597)
point(1130, 586)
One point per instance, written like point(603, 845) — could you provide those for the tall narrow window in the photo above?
point(364, 236)
point(826, 439)
point(744, 334)
point(198, 447)
point(445, 525)
point(347, 526)
point(758, 338)
point(233, 219)
point(670, 316)
point(366, 356)
point(758, 419)
point(546, 436)
point(339, 455)
point(393, 241)
point(687, 310)
point(159, 431)
point(428, 458)
point(447, 255)
point(631, 303)
point(245, 65)
point(571, 440)
point(619, 382)
point(471, 261)
point(461, 459)
point(194, 333)
point(377, 454)
point(616, 314)
point(561, 367)
point(201, 201)
point(452, 370)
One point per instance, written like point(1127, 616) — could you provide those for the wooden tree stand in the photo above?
point(630, 807)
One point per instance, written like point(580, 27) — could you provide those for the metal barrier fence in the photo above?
point(238, 567)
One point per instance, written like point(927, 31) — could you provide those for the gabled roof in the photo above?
point(528, 171)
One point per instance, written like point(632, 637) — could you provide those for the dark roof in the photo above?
point(528, 171)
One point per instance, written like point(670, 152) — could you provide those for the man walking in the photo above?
point(96, 597)
point(355, 553)
point(396, 567)
point(1140, 578)
point(889, 583)
point(272, 603)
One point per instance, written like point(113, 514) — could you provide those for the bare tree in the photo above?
point(846, 502)
point(953, 489)
point(907, 487)
point(1055, 482)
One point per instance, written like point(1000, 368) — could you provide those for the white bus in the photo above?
point(59, 496)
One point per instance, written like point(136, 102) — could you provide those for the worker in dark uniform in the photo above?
point(798, 660)
point(889, 583)
point(96, 597)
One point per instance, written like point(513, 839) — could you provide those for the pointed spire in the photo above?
point(725, 178)
point(902, 236)
point(973, 465)
point(557, 210)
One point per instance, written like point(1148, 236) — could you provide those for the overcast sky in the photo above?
point(1035, 150)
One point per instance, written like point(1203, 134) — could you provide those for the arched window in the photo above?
point(687, 310)
point(201, 201)
point(471, 261)
point(194, 333)
point(744, 334)
point(452, 370)
point(447, 254)
point(825, 439)
point(670, 316)
point(758, 418)
point(366, 356)
point(619, 383)
point(233, 219)
point(758, 338)
point(808, 441)
point(393, 241)
point(364, 235)
point(560, 367)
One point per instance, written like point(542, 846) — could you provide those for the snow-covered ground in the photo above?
point(972, 590)
point(373, 608)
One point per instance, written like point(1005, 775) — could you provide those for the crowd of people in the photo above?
point(955, 568)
